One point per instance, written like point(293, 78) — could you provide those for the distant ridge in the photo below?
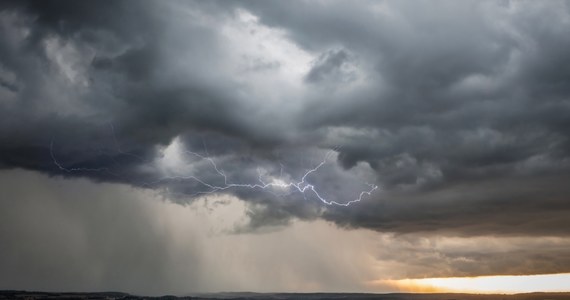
point(16, 294)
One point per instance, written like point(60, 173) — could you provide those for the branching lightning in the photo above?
point(301, 186)
point(70, 170)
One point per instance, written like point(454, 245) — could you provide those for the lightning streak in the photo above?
point(70, 170)
point(301, 186)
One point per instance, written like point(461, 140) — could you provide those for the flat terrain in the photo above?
point(276, 296)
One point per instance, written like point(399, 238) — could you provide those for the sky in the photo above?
point(160, 147)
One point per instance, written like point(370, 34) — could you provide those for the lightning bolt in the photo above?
point(301, 186)
point(70, 170)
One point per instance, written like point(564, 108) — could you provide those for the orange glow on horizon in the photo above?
point(500, 284)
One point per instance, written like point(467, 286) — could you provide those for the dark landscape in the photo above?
point(297, 296)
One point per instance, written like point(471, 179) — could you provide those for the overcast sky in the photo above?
point(438, 132)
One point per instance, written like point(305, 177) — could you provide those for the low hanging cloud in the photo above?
point(458, 111)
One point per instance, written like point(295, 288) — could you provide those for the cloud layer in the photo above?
point(458, 111)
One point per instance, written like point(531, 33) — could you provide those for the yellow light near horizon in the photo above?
point(485, 284)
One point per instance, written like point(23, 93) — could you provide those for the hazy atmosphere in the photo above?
point(174, 147)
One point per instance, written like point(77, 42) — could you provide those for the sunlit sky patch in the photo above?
point(486, 284)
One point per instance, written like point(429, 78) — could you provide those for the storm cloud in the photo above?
point(458, 111)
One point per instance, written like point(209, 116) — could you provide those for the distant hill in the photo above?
point(11, 294)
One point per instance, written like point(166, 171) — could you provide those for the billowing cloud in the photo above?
point(458, 111)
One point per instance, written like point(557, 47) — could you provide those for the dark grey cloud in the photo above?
point(458, 110)
point(331, 64)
